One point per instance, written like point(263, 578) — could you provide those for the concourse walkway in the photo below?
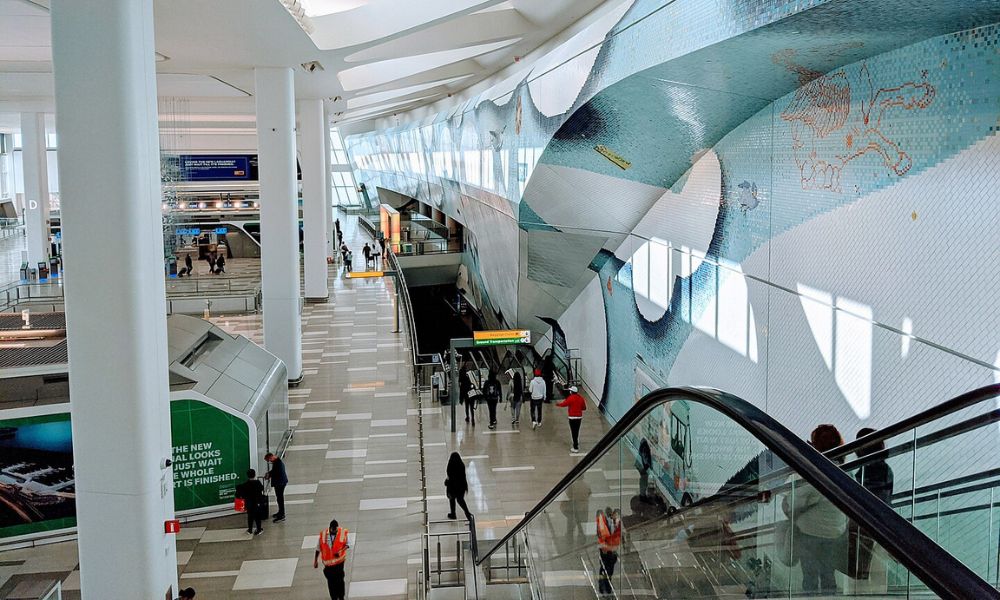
point(11, 246)
point(355, 457)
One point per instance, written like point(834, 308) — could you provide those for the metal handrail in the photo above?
point(970, 398)
point(940, 571)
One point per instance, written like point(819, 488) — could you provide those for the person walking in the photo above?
point(492, 393)
point(467, 395)
point(188, 265)
point(220, 264)
point(537, 390)
point(279, 479)
point(332, 550)
point(377, 252)
point(367, 251)
point(251, 492)
point(348, 257)
point(186, 594)
point(575, 405)
point(456, 485)
point(609, 540)
point(516, 396)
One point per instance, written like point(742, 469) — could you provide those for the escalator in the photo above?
point(731, 504)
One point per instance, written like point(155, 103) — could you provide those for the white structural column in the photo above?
point(36, 187)
point(331, 235)
point(279, 223)
point(109, 169)
point(311, 149)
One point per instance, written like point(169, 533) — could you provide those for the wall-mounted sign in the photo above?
point(501, 337)
point(613, 156)
point(221, 231)
point(188, 231)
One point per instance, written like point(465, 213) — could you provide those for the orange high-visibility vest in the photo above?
point(333, 548)
point(608, 540)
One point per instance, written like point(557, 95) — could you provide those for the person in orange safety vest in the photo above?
point(609, 539)
point(332, 549)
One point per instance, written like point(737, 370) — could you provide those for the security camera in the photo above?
point(165, 463)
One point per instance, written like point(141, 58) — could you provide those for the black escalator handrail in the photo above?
point(970, 398)
point(939, 570)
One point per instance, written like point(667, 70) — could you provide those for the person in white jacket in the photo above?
point(537, 390)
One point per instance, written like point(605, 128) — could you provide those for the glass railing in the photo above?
point(698, 494)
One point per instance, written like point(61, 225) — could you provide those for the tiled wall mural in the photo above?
point(791, 201)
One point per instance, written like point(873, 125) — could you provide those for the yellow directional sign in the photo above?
point(500, 337)
point(364, 274)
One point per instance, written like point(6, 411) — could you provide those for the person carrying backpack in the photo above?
point(492, 392)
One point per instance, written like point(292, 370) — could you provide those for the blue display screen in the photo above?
point(215, 167)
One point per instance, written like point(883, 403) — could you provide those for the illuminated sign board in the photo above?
point(501, 337)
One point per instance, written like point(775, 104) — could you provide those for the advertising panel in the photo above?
point(212, 450)
point(211, 454)
point(37, 491)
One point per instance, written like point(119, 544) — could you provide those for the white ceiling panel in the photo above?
point(370, 99)
point(397, 68)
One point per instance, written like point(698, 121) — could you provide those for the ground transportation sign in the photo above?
point(499, 337)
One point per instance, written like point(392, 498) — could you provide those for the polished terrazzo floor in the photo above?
point(355, 457)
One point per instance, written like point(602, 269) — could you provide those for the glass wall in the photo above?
point(344, 191)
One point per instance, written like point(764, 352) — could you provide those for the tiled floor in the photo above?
point(11, 246)
point(355, 457)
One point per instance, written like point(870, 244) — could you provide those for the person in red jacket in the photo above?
point(575, 405)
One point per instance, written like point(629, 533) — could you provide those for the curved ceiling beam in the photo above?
point(385, 18)
point(399, 93)
point(455, 33)
point(397, 68)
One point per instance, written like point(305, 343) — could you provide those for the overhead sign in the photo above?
point(501, 337)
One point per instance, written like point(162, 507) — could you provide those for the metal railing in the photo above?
point(18, 293)
point(942, 572)
point(434, 561)
point(10, 226)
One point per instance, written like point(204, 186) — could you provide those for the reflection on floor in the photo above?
point(11, 246)
point(355, 457)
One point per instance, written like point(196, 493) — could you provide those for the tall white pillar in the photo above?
point(311, 149)
point(279, 222)
point(36, 187)
point(109, 170)
point(331, 235)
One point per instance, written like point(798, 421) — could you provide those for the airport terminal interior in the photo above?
point(499, 299)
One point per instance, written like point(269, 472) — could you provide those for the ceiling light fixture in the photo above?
point(312, 66)
point(298, 12)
